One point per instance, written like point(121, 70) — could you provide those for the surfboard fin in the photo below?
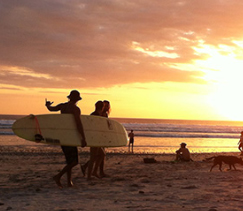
point(38, 137)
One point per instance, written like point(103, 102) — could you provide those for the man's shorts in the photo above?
point(71, 154)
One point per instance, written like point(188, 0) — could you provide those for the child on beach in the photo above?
point(183, 153)
point(240, 143)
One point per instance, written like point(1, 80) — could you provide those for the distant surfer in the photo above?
point(70, 152)
point(183, 153)
point(131, 140)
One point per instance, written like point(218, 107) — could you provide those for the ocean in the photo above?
point(156, 135)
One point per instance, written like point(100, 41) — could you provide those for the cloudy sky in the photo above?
point(152, 59)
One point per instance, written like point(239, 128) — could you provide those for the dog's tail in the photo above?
point(207, 159)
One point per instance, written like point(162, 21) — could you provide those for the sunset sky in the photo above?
point(170, 59)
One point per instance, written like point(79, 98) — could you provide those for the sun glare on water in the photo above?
point(224, 71)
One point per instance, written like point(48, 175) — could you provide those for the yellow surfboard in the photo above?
point(60, 129)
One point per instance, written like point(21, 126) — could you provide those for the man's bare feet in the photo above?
point(70, 184)
point(57, 180)
point(96, 175)
point(104, 175)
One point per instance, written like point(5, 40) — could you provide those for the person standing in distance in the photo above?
point(240, 143)
point(131, 139)
point(70, 152)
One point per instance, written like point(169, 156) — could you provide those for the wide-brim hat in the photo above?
point(74, 95)
point(183, 144)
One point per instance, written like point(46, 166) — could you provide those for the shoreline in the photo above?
point(141, 146)
point(49, 149)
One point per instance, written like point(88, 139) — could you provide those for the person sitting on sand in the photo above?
point(71, 153)
point(183, 153)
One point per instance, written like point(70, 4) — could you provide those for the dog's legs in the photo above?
point(220, 166)
point(213, 167)
point(229, 166)
point(234, 166)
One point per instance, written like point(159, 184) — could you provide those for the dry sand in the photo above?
point(26, 183)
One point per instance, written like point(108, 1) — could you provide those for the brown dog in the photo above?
point(230, 160)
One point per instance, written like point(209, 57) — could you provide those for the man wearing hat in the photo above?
point(70, 152)
point(183, 153)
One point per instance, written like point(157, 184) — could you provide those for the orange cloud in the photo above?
point(91, 44)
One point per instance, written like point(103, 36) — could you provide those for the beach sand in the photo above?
point(26, 183)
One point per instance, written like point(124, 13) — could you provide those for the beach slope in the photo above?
point(26, 183)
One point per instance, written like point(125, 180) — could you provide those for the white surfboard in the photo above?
point(60, 129)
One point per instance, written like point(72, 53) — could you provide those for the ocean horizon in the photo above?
point(160, 135)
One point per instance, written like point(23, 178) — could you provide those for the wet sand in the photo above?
point(26, 183)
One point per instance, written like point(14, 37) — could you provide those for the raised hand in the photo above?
point(48, 103)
